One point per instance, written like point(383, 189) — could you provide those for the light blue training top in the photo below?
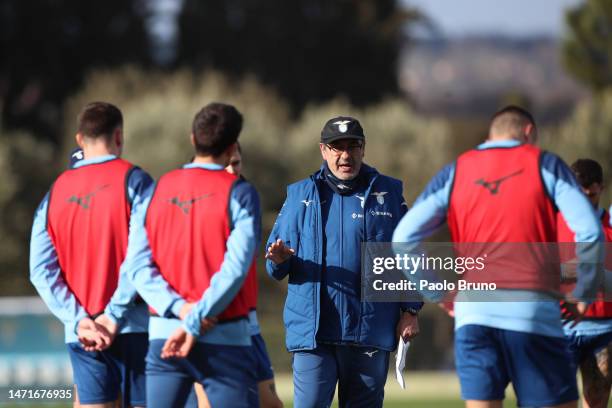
point(536, 313)
point(45, 271)
point(142, 272)
point(595, 326)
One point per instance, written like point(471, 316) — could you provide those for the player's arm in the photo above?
point(139, 188)
point(425, 217)
point(581, 218)
point(407, 308)
point(46, 276)
point(241, 246)
point(278, 247)
point(428, 213)
point(138, 271)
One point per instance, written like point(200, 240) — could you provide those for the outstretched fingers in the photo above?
point(278, 252)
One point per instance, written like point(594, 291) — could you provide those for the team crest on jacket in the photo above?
point(380, 196)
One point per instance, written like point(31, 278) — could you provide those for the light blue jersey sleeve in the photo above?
point(241, 246)
point(425, 217)
point(45, 273)
point(139, 273)
point(408, 306)
point(429, 210)
point(581, 218)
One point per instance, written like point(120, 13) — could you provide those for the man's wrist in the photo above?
point(112, 318)
point(411, 311)
point(191, 328)
point(77, 321)
point(176, 307)
point(282, 264)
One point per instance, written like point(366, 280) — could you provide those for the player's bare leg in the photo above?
point(499, 404)
point(268, 398)
point(571, 404)
point(77, 404)
point(267, 395)
point(201, 394)
point(483, 404)
point(596, 379)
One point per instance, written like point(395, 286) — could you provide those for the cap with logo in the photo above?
point(341, 127)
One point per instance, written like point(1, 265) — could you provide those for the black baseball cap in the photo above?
point(341, 127)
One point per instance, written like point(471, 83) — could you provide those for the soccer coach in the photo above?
point(316, 241)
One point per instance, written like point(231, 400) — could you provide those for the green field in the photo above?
point(423, 389)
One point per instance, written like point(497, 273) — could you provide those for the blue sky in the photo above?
point(517, 18)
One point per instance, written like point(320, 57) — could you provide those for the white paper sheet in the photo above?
point(400, 361)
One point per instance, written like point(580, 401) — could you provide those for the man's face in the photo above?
point(344, 157)
point(593, 193)
point(235, 164)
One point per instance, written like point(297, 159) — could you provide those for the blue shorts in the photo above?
point(583, 346)
point(100, 375)
point(263, 366)
point(361, 373)
point(226, 372)
point(539, 367)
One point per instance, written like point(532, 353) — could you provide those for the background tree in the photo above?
point(587, 49)
point(47, 46)
point(587, 133)
point(309, 50)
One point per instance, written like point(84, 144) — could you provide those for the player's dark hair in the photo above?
point(513, 111)
point(215, 127)
point(99, 119)
point(511, 121)
point(587, 172)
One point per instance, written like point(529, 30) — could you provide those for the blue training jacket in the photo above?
point(300, 225)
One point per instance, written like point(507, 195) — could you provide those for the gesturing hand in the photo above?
point(278, 252)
